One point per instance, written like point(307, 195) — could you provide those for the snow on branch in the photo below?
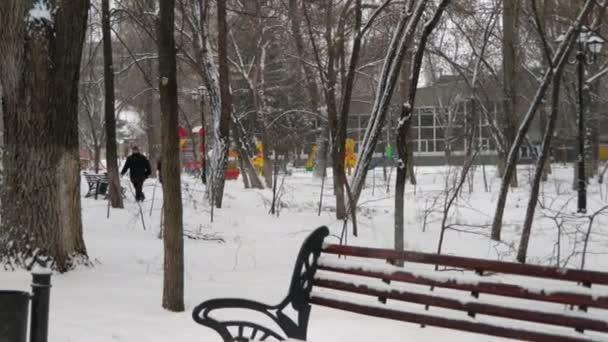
point(41, 12)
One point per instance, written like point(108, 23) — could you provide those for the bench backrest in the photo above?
point(512, 300)
point(95, 177)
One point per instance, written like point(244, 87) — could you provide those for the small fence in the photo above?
point(15, 306)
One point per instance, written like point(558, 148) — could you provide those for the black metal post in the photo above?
point(582, 183)
point(41, 291)
point(14, 307)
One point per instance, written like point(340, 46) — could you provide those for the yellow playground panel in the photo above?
point(603, 151)
point(311, 158)
point(258, 159)
point(350, 158)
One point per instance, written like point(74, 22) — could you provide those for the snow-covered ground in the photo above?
point(119, 298)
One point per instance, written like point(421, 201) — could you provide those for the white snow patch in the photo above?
point(40, 11)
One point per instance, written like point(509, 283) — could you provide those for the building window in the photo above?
point(434, 127)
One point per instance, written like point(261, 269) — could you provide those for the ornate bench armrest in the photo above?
point(237, 330)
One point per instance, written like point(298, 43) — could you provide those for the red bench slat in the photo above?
point(471, 307)
point(508, 290)
point(586, 277)
point(455, 324)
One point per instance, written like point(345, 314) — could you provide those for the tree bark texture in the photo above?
point(405, 120)
point(239, 134)
point(510, 66)
point(152, 121)
point(401, 40)
point(39, 71)
point(411, 133)
point(311, 85)
point(222, 123)
point(173, 237)
point(522, 252)
point(558, 60)
point(110, 117)
point(345, 109)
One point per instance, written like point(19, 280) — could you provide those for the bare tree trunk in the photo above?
point(510, 65)
point(409, 134)
point(539, 173)
point(405, 120)
point(401, 41)
point(329, 91)
point(110, 118)
point(152, 125)
point(311, 85)
point(244, 156)
point(558, 60)
point(96, 156)
point(222, 123)
point(346, 99)
point(173, 236)
point(39, 72)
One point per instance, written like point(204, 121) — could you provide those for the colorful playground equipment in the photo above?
point(310, 162)
point(603, 151)
point(350, 158)
point(232, 169)
point(258, 159)
point(183, 135)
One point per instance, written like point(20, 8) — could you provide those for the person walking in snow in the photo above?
point(140, 169)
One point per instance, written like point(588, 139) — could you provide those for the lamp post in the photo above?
point(588, 46)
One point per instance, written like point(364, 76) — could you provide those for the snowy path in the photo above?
point(119, 299)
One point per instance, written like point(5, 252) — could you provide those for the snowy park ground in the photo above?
point(119, 298)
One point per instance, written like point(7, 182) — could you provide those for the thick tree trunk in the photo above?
point(221, 124)
point(173, 236)
point(39, 71)
point(110, 118)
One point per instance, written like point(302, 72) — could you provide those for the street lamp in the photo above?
point(588, 47)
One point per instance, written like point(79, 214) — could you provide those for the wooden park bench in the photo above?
point(503, 299)
point(98, 185)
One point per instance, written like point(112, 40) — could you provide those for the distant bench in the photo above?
point(554, 310)
point(98, 184)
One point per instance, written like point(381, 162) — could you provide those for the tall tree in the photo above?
point(340, 140)
point(312, 88)
point(558, 61)
point(510, 67)
point(205, 65)
point(221, 124)
point(41, 46)
point(173, 235)
point(400, 42)
point(405, 120)
point(110, 117)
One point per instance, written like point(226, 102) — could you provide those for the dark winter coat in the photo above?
point(139, 166)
